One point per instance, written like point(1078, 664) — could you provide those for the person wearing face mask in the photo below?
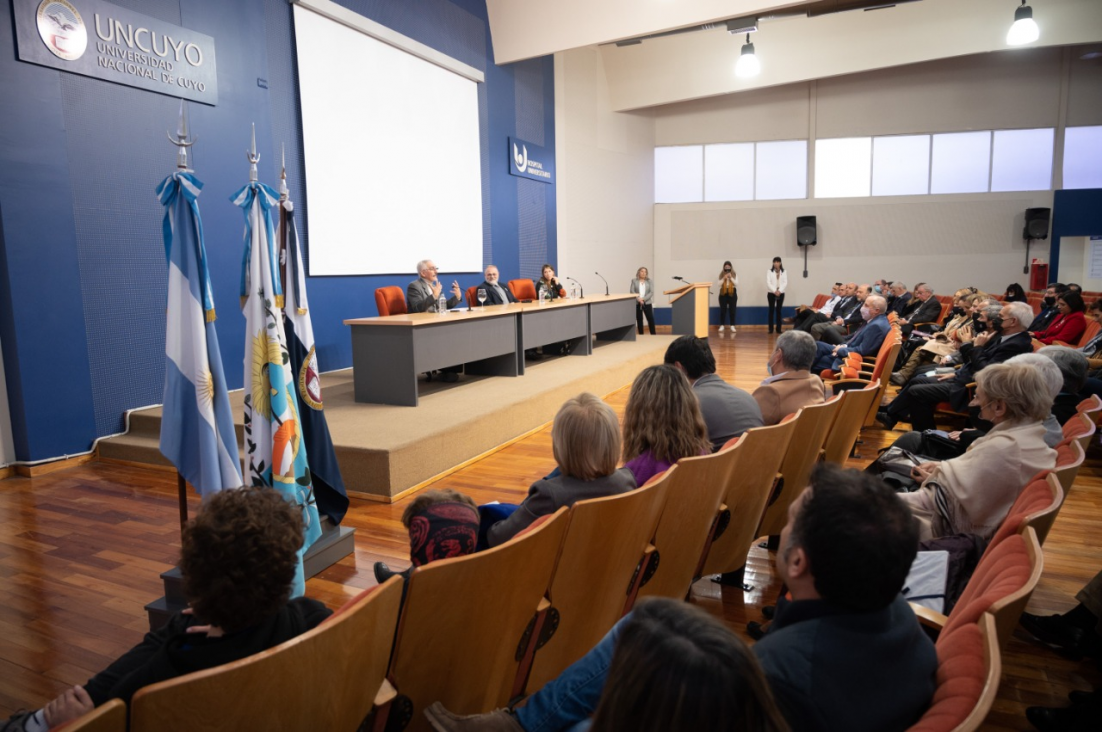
point(728, 295)
point(1048, 308)
point(1069, 324)
point(866, 341)
point(918, 400)
point(791, 385)
point(958, 330)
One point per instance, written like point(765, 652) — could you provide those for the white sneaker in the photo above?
point(733, 329)
point(721, 328)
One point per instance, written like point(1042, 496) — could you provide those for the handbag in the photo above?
point(894, 467)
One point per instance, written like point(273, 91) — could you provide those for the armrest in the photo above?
point(386, 694)
point(928, 618)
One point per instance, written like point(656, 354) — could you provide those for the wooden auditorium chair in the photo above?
point(606, 541)
point(688, 521)
point(854, 410)
point(390, 300)
point(326, 678)
point(969, 667)
point(747, 494)
point(108, 717)
point(462, 624)
point(1093, 326)
point(1069, 458)
point(804, 451)
point(1092, 407)
point(1037, 505)
point(522, 289)
point(1080, 428)
point(879, 373)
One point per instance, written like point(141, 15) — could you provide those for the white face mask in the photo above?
point(865, 312)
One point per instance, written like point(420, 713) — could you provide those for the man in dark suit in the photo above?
point(918, 400)
point(923, 308)
point(866, 341)
point(496, 293)
point(1049, 311)
point(846, 319)
point(805, 319)
point(899, 299)
point(423, 294)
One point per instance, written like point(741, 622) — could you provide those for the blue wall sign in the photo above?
point(104, 41)
point(527, 160)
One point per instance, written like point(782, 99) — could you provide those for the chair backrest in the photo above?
point(107, 717)
point(1081, 428)
point(692, 505)
point(748, 491)
point(969, 666)
point(848, 422)
point(1069, 458)
point(326, 678)
point(522, 289)
point(472, 296)
point(1093, 326)
point(604, 545)
point(464, 619)
point(1036, 506)
point(803, 453)
point(390, 300)
point(1092, 407)
point(819, 301)
point(1001, 585)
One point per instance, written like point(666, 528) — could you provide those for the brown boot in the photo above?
point(917, 359)
point(498, 720)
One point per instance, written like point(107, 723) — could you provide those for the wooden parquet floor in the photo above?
point(81, 550)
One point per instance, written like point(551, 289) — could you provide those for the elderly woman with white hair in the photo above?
point(972, 493)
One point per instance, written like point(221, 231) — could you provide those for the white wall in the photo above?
point(7, 448)
point(1075, 255)
point(605, 164)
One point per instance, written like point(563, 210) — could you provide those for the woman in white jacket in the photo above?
point(728, 295)
point(775, 283)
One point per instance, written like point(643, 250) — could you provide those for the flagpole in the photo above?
point(181, 488)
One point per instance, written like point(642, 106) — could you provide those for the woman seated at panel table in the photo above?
point(662, 423)
point(548, 284)
point(585, 439)
point(972, 494)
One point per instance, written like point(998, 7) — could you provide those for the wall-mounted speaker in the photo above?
point(807, 233)
point(1036, 223)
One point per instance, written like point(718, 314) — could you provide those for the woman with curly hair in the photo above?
point(238, 558)
point(662, 423)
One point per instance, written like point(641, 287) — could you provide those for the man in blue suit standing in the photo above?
point(865, 341)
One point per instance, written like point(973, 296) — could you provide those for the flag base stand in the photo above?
point(335, 543)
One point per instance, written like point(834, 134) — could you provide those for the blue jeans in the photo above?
point(568, 701)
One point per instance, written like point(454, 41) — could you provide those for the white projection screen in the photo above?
point(392, 156)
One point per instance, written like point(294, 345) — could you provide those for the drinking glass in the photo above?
point(482, 296)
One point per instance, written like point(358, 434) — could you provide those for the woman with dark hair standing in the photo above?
point(643, 290)
point(676, 667)
point(728, 295)
point(775, 283)
point(1014, 293)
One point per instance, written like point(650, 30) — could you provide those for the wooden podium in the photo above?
point(690, 309)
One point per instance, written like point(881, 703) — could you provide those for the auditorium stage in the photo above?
point(385, 451)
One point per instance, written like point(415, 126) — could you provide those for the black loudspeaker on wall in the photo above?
point(1036, 223)
point(807, 233)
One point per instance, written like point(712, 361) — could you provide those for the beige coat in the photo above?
point(972, 493)
point(787, 394)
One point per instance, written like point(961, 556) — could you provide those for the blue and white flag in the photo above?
point(197, 432)
point(328, 483)
point(273, 431)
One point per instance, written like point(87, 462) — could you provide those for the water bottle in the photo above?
point(442, 305)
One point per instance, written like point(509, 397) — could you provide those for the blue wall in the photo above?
point(82, 272)
point(1074, 213)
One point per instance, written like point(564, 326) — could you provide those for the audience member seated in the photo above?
point(844, 653)
point(805, 311)
point(441, 524)
point(1048, 307)
point(1069, 324)
point(728, 411)
point(585, 439)
point(496, 293)
point(958, 330)
point(971, 494)
point(1073, 370)
point(923, 308)
point(846, 303)
point(676, 667)
point(918, 400)
point(900, 298)
point(238, 558)
point(1014, 293)
point(835, 331)
point(662, 423)
point(791, 386)
point(866, 341)
point(1074, 287)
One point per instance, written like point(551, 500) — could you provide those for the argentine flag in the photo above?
point(197, 432)
point(276, 452)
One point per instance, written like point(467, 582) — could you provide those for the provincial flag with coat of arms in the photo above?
point(276, 452)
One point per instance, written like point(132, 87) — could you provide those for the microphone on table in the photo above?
point(581, 290)
point(604, 280)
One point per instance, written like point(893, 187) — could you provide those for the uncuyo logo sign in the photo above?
point(520, 157)
point(62, 29)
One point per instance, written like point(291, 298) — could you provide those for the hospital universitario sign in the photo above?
point(104, 41)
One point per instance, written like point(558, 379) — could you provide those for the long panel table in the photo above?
point(389, 352)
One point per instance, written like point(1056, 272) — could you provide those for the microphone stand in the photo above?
point(603, 280)
point(581, 290)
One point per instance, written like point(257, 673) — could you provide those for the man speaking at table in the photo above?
point(424, 292)
point(495, 293)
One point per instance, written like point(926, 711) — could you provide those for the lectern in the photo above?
point(690, 309)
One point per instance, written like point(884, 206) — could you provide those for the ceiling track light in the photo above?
point(748, 64)
point(1025, 29)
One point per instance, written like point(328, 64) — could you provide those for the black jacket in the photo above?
point(492, 298)
point(974, 360)
point(922, 312)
